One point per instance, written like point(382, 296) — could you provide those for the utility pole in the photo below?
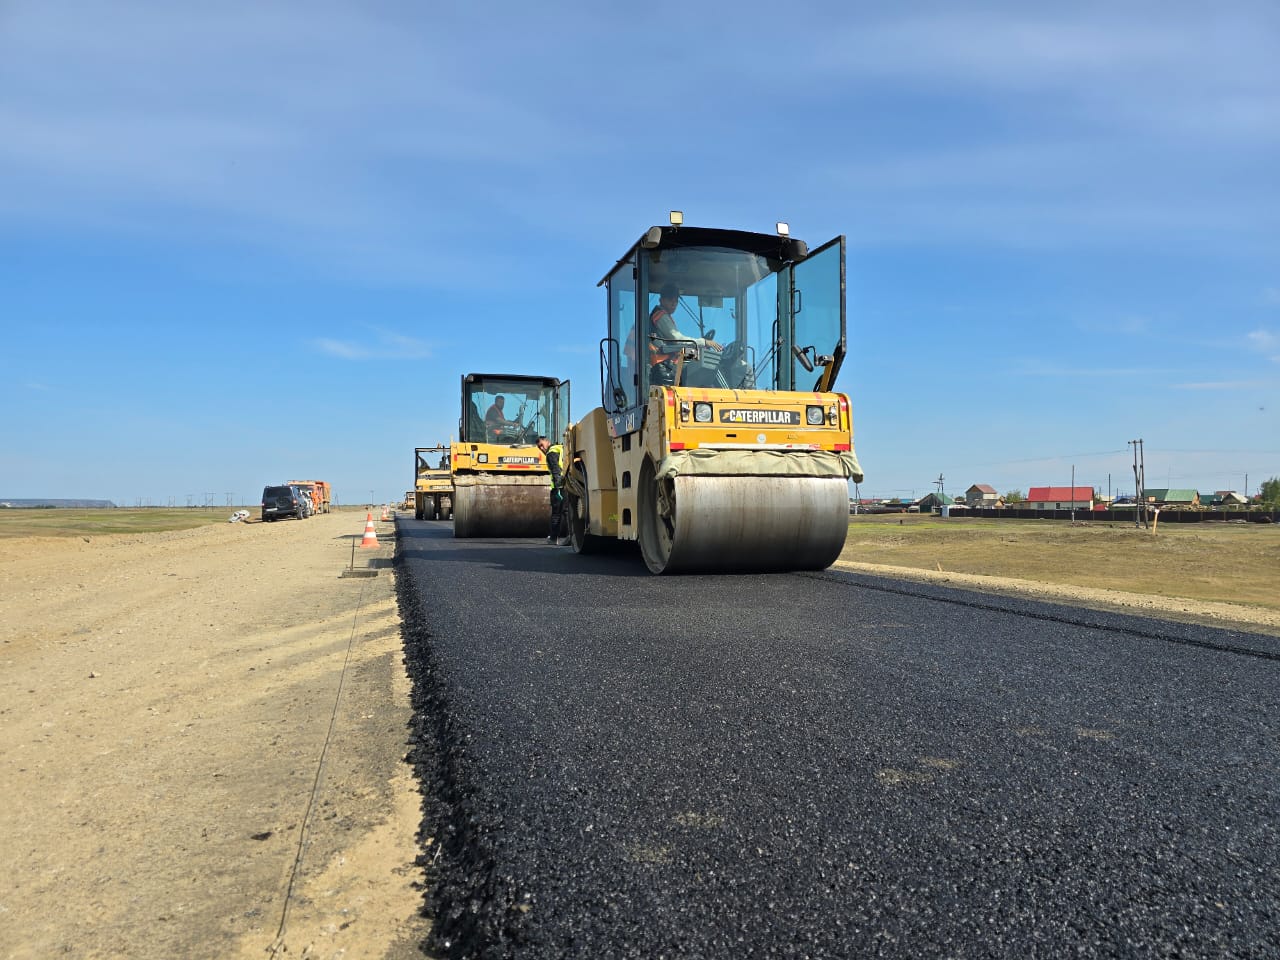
point(1142, 470)
point(1139, 483)
point(1072, 494)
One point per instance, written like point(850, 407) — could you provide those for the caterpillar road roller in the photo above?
point(432, 495)
point(501, 485)
point(720, 444)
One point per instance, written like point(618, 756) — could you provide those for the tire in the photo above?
point(656, 528)
point(578, 516)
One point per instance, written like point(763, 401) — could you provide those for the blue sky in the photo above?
point(242, 242)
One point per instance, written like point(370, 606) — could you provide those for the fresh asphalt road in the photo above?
point(828, 765)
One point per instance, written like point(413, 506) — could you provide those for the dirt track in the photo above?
point(185, 717)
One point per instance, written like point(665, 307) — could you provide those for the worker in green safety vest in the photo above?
point(555, 454)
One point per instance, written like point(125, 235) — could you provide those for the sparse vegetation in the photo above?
point(1270, 492)
point(1230, 562)
point(87, 523)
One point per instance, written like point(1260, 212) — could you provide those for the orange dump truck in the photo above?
point(321, 492)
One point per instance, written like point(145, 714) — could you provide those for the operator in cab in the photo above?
point(662, 326)
point(495, 417)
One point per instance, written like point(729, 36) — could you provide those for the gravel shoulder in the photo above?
point(202, 735)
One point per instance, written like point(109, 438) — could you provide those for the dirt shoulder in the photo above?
point(202, 737)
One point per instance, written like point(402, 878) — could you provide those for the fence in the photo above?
point(1125, 516)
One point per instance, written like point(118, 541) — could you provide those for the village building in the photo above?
point(1058, 498)
point(1168, 497)
point(982, 495)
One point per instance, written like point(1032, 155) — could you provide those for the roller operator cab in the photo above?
point(720, 444)
point(501, 485)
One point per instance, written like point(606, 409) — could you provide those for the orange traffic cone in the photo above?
point(385, 513)
point(370, 536)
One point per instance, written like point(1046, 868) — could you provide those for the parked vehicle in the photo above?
point(308, 491)
point(322, 494)
point(304, 497)
point(282, 501)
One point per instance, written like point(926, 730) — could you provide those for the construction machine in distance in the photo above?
point(720, 444)
point(501, 484)
point(433, 483)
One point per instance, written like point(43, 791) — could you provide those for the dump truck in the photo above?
point(433, 483)
point(719, 444)
point(501, 482)
point(321, 493)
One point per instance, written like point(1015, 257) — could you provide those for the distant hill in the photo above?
point(21, 504)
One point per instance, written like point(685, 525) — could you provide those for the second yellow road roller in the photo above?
point(720, 444)
point(501, 484)
point(432, 496)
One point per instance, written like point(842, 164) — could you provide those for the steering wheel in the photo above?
point(507, 431)
point(734, 366)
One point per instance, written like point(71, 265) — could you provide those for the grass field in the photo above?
point(87, 523)
point(1231, 562)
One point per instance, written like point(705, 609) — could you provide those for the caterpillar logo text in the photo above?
point(756, 415)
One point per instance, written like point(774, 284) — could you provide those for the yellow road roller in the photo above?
point(719, 444)
point(432, 497)
point(501, 484)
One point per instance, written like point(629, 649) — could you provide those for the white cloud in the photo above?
point(1038, 368)
point(381, 345)
point(1265, 342)
point(1226, 385)
point(343, 349)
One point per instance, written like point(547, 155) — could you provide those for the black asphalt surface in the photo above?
point(828, 765)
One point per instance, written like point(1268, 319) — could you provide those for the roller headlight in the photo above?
point(483, 458)
point(815, 416)
point(702, 412)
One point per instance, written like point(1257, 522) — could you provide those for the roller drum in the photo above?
point(501, 506)
point(752, 523)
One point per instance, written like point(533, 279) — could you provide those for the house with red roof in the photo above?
point(1059, 498)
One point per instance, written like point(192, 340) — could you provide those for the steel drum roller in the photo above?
point(513, 506)
point(753, 523)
